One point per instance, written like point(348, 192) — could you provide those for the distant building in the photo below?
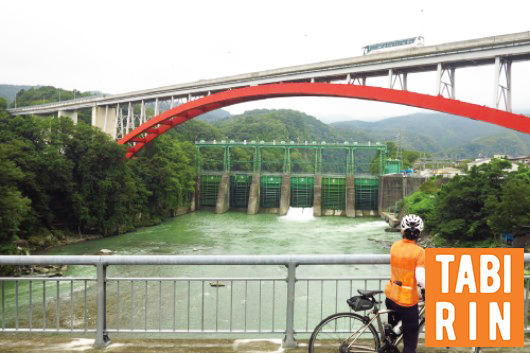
point(520, 160)
point(481, 161)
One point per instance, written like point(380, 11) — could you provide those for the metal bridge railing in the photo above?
point(186, 305)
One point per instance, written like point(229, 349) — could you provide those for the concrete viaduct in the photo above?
point(116, 114)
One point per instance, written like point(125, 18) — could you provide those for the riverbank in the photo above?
point(429, 240)
point(45, 240)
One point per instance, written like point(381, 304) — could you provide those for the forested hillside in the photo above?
point(46, 94)
point(277, 125)
point(269, 125)
point(60, 180)
point(8, 92)
point(443, 134)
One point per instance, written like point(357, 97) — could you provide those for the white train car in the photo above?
point(394, 45)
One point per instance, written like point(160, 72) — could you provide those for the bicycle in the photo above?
point(341, 332)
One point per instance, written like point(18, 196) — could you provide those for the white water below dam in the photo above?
point(300, 214)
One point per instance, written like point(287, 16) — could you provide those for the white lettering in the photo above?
point(507, 274)
point(445, 259)
point(492, 273)
point(466, 275)
point(447, 323)
point(472, 321)
point(497, 319)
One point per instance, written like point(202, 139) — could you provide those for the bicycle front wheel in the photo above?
point(344, 333)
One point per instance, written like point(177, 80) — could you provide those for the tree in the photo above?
point(460, 211)
point(168, 175)
point(511, 210)
point(46, 94)
point(13, 204)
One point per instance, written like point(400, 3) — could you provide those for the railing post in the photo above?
point(102, 339)
point(289, 340)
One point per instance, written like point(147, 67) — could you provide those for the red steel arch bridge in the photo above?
point(125, 116)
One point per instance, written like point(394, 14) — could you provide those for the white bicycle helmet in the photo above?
point(412, 222)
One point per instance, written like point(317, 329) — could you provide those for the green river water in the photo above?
point(195, 305)
point(234, 233)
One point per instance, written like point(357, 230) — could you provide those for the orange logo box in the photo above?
point(475, 298)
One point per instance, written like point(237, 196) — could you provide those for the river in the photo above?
point(234, 233)
point(206, 233)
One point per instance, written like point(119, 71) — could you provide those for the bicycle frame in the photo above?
point(376, 312)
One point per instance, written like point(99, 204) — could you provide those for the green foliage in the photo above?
point(441, 134)
point(422, 202)
point(194, 130)
point(13, 204)
point(166, 168)
point(283, 125)
point(460, 205)
point(8, 92)
point(408, 157)
point(28, 96)
point(476, 207)
point(269, 125)
point(511, 208)
point(3, 105)
point(506, 142)
point(46, 94)
point(55, 176)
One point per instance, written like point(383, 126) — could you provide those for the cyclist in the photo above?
point(407, 262)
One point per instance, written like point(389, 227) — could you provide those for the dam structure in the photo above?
point(342, 179)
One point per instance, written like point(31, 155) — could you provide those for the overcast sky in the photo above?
point(122, 46)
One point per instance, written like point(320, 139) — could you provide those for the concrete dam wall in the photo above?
point(328, 195)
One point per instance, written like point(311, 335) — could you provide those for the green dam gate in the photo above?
point(338, 179)
point(208, 190)
point(302, 191)
point(239, 190)
point(366, 194)
point(333, 194)
point(270, 191)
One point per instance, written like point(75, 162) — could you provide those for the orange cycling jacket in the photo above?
point(405, 256)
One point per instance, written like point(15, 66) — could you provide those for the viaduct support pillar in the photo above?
point(223, 195)
point(350, 196)
point(285, 196)
point(253, 197)
point(72, 114)
point(317, 196)
point(105, 118)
